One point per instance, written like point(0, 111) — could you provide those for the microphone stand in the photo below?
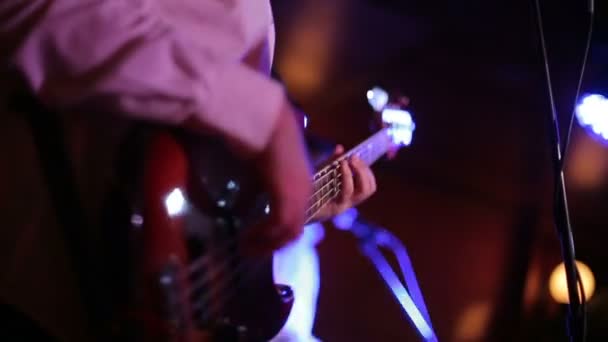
point(576, 325)
point(371, 238)
point(575, 318)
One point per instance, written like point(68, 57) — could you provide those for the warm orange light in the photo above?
point(588, 163)
point(558, 286)
point(473, 322)
point(312, 40)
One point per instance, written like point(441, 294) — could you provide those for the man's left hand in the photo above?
point(358, 184)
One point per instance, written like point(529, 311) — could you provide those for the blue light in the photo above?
point(345, 220)
point(400, 292)
point(371, 240)
point(592, 114)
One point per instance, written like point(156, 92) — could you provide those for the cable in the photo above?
point(581, 288)
point(539, 19)
point(565, 154)
point(578, 88)
point(577, 312)
point(566, 145)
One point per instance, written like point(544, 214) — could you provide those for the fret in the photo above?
point(327, 181)
point(373, 148)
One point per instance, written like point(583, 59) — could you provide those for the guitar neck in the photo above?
point(327, 182)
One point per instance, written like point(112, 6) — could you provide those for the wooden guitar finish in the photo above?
point(186, 203)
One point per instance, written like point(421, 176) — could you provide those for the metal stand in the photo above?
point(576, 319)
point(371, 238)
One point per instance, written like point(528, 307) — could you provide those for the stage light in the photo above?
point(377, 98)
point(592, 114)
point(175, 203)
point(402, 126)
point(472, 323)
point(558, 286)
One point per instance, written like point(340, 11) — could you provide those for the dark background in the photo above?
point(471, 198)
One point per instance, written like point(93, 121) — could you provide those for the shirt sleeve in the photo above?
point(127, 58)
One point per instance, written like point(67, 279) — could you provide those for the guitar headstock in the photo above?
point(392, 115)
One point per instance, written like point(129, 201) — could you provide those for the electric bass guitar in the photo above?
point(184, 204)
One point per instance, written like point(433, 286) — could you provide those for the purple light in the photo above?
point(377, 98)
point(401, 294)
point(345, 220)
point(592, 114)
point(371, 239)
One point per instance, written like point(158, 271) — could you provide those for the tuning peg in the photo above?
point(377, 98)
point(392, 115)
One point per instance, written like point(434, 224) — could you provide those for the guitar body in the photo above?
point(180, 206)
point(174, 265)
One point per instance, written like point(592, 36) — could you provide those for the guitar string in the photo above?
point(213, 307)
point(199, 262)
point(331, 184)
point(196, 304)
point(222, 285)
point(360, 150)
point(217, 304)
point(330, 170)
point(365, 152)
point(371, 140)
point(334, 185)
point(225, 282)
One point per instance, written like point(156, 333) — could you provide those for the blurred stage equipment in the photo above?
point(576, 318)
point(371, 239)
point(392, 113)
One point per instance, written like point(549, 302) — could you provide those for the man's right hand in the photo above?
point(287, 176)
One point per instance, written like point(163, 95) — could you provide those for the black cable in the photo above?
point(578, 88)
point(576, 313)
point(567, 144)
point(581, 288)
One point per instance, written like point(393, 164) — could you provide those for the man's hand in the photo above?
point(287, 176)
point(358, 184)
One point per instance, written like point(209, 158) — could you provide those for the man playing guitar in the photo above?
point(199, 64)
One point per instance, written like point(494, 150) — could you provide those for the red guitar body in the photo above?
point(176, 273)
point(184, 203)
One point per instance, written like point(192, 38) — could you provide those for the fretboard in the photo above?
point(327, 182)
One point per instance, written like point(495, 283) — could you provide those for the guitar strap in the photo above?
point(49, 139)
